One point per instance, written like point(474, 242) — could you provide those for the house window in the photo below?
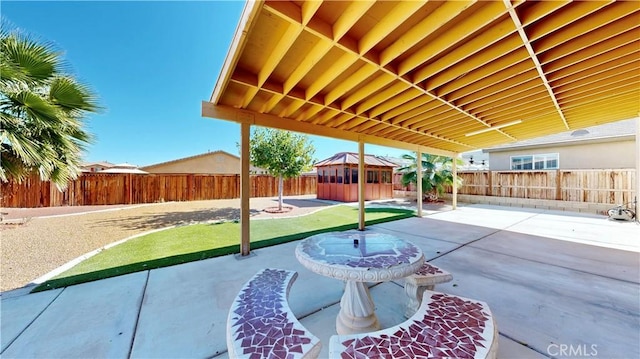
point(386, 177)
point(522, 162)
point(548, 161)
point(347, 176)
point(354, 175)
point(320, 176)
point(372, 176)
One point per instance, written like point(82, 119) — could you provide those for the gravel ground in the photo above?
point(41, 244)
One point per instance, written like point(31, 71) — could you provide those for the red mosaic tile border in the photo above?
point(448, 327)
point(262, 320)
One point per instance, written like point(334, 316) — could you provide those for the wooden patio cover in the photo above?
point(430, 74)
point(441, 77)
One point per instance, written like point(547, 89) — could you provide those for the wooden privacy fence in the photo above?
point(125, 188)
point(610, 186)
point(615, 186)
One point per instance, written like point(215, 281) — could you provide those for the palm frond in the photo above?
point(42, 111)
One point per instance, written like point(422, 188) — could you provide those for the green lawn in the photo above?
point(200, 241)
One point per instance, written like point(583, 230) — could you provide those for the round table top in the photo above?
point(359, 256)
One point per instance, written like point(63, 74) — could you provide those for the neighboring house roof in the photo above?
point(352, 158)
point(124, 165)
point(400, 162)
point(123, 170)
point(190, 158)
point(219, 152)
point(98, 164)
point(608, 132)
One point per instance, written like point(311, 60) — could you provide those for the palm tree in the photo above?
point(41, 112)
point(437, 174)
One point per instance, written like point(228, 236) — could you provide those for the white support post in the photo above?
point(245, 189)
point(637, 193)
point(362, 180)
point(419, 183)
point(454, 187)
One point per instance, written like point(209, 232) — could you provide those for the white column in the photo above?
point(637, 194)
point(362, 180)
point(419, 182)
point(245, 189)
point(454, 188)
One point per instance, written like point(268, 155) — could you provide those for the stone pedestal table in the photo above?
point(358, 258)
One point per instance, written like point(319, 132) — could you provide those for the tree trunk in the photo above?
point(280, 187)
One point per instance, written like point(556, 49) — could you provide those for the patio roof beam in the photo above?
point(443, 14)
point(275, 88)
point(428, 73)
point(480, 18)
point(290, 13)
point(399, 14)
point(395, 102)
point(534, 58)
point(249, 12)
point(266, 120)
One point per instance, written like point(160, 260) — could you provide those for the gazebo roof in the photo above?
point(440, 77)
point(342, 158)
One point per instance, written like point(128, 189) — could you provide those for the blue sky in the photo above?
point(151, 64)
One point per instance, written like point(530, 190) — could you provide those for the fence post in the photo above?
point(130, 191)
point(489, 188)
point(558, 185)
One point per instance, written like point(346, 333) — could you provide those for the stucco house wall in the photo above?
point(607, 146)
point(218, 162)
point(602, 155)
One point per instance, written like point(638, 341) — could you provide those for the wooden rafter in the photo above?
point(429, 73)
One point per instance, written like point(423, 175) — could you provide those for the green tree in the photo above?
point(283, 154)
point(42, 109)
point(437, 174)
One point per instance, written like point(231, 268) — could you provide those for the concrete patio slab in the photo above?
point(541, 304)
point(187, 323)
point(168, 327)
point(17, 313)
point(487, 216)
point(602, 261)
point(584, 229)
point(432, 228)
point(544, 293)
point(96, 319)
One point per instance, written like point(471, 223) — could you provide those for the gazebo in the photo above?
point(439, 77)
point(338, 177)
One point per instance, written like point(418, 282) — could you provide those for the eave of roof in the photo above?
point(611, 132)
point(190, 158)
point(353, 159)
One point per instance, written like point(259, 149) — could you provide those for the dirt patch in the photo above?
point(284, 209)
point(54, 236)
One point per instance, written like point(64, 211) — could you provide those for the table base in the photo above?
point(357, 311)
